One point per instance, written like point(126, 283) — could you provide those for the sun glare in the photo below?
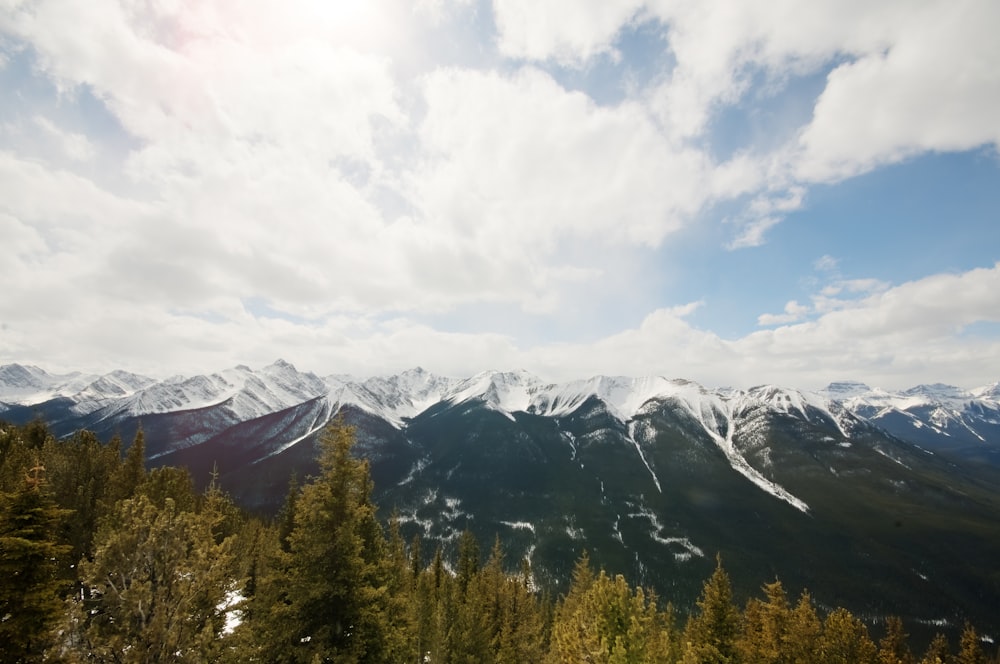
point(366, 25)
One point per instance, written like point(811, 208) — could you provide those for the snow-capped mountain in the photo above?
point(652, 475)
point(939, 417)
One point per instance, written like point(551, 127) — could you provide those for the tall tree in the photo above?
point(765, 627)
point(710, 635)
point(603, 620)
point(30, 586)
point(330, 592)
point(804, 629)
point(970, 650)
point(937, 650)
point(893, 647)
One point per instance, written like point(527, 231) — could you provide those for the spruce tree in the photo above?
point(710, 635)
point(845, 640)
point(937, 650)
point(30, 585)
point(331, 590)
point(765, 627)
point(893, 647)
point(603, 620)
point(970, 650)
point(802, 637)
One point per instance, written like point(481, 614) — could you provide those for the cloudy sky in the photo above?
point(729, 191)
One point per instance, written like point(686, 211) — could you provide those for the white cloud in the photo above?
point(894, 338)
point(75, 146)
point(826, 263)
point(935, 87)
point(794, 312)
point(520, 156)
point(278, 156)
point(569, 31)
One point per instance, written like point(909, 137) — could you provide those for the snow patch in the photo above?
point(632, 439)
point(520, 525)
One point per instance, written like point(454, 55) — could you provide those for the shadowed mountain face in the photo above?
point(882, 503)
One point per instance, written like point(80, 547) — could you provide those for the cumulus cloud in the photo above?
point(569, 31)
point(279, 157)
point(886, 338)
point(915, 98)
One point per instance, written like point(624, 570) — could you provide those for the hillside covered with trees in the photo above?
point(104, 561)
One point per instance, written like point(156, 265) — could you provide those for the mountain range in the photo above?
point(882, 502)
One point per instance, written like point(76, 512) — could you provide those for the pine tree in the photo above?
point(804, 629)
point(765, 627)
point(330, 591)
point(893, 647)
point(845, 640)
point(603, 620)
point(286, 518)
point(161, 578)
point(468, 559)
point(470, 620)
point(31, 588)
point(710, 635)
point(132, 471)
point(937, 650)
point(970, 650)
point(79, 472)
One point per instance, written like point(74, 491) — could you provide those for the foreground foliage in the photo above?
point(102, 561)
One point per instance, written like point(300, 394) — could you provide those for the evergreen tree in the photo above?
point(970, 650)
point(79, 472)
point(802, 637)
point(132, 472)
point(603, 620)
point(468, 559)
point(710, 635)
point(937, 650)
point(160, 580)
point(765, 627)
point(330, 592)
point(468, 611)
point(30, 585)
point(893, 648)
point(845, 640)
point(286, 518)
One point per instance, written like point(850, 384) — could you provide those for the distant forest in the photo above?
point(104, 561)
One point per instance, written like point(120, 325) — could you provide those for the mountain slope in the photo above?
point(877, 501)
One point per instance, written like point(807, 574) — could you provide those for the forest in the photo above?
point(102, 560)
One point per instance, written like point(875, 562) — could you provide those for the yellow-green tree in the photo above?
point(845, 640)
point(764, 627)
point(711, 634)
point(893, 647)
point(970, 650)
point(603, 620)
point(937, 650)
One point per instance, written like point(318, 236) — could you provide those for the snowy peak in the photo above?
point(506, 391)
point(989, 392)
point(846, 389)
point(23, 377)
point(937, 392)
point(243, 393)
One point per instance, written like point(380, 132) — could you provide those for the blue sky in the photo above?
point(727, 191)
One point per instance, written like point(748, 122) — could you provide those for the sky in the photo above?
point(729, 191)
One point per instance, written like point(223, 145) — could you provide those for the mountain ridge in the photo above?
point(651, 475)
point(944, 415)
